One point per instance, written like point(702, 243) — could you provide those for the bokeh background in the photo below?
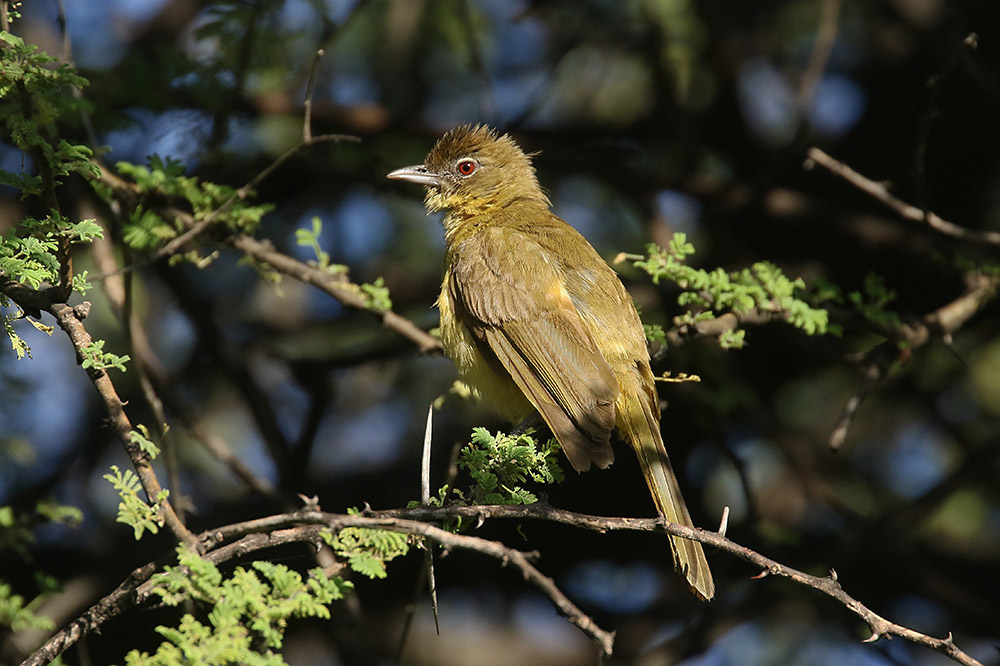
point(649, 117)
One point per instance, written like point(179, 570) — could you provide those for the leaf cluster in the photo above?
point(707, 294)
point(375, 294)
point(16, 534)
point(310, 238)
point(37, 92)
point(248, 616)
point(499, 463)
point(164, 182)
point(29, 76)
point(367, 550)
point(96, 358)
point(132, 510)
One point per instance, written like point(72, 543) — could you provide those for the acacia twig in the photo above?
point(903, 209)
point(336, 285)
point(70, 320)
point(239, 539)
point(937, 324)
point(880, 627)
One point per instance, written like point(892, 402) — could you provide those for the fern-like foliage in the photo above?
point(162, 180)
point(132, 510)
point(367, 550)
point(500, 463)
point(246, 614)
point(706, 294)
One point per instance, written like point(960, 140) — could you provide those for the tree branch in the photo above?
point(903, 209)
point(336, 285)
point(70, 320)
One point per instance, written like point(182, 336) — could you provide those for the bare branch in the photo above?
point(905, 210)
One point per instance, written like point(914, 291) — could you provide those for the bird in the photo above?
point(536, 321)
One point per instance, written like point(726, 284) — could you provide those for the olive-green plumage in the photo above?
point(534, 319)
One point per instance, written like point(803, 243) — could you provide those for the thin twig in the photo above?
point(308, 104)
point(937, 324)
point(336, 285)
point(826, 37)
point(903, 209)
point(70, 320)
point(874, 372)
point(934, 87)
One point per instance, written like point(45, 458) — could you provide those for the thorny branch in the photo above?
point(71, 321)
point(940, 323)
point(239, 539)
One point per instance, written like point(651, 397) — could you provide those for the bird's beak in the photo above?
point(415, 174)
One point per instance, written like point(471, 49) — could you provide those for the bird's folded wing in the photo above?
point(517, 304)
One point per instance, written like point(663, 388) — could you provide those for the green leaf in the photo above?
point(367, 550)
point(132, 510)
point(95, 357)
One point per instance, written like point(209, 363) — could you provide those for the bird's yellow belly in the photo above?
point(490, 384)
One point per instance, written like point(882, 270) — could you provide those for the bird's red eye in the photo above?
point(467, 167)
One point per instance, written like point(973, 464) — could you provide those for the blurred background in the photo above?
point(649, 117)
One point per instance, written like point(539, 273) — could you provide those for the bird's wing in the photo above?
point(516, 303)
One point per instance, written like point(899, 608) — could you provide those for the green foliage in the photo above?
point(132, 510)
point(310, 238)
point(499, 463)
point(377, 295)
point(872, 300)
point(16, 529)
point(655, 333)
point(247, 613)
point(16, 534)
point(18, 615)
point(140, 437)
point(27, 251)
point(223, 205)
point(708, 294)
point(95, 357)
point(367, 550)
point(37, 92)
point(44, 91)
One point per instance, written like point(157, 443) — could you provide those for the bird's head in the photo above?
point(471, 169)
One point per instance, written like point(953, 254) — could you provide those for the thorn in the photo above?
point(425, 466)
point(432, 589)
point(368, 510)
point(950, 640)
point(833, 575)
point(724, 523)
point(763, 574)
point(480, 519)
point(871, 639)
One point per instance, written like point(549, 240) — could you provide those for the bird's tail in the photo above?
point(638, 421)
